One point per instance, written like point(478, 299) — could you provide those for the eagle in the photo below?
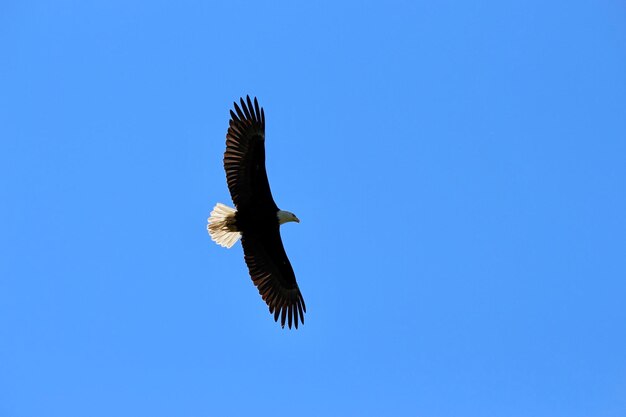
point(256, 220)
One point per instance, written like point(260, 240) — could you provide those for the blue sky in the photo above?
point(459, 169)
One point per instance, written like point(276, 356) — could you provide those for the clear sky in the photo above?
point(459, 169)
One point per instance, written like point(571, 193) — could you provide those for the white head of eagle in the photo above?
point(257, 218)
point(286, 216)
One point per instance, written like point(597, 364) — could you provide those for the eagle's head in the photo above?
point(286, 216)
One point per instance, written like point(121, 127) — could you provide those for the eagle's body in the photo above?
point(257, 218)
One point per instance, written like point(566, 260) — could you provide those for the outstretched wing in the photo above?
point(273, 276)
point(244, 159)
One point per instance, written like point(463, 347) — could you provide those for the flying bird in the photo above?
point(256, 219)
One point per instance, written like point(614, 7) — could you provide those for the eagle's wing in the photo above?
point(272, 274)
point(244, 159)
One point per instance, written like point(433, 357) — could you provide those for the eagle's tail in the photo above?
point(222, 227)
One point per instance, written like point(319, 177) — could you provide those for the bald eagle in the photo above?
point(256, 219)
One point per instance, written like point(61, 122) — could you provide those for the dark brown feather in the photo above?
point(244, 158)
point(273, 276)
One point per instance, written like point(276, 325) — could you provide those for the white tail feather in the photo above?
point(222, 226)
